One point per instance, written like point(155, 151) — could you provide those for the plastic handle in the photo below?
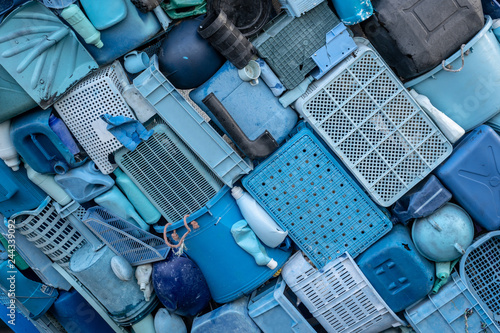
point(40, 148)
point(258, 148)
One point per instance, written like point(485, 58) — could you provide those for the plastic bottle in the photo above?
point(47, 183)
point(258, 219)
point(270, 79)
point(74, 16)
point(147, 325)
point(59, 127)
point(169, 322)
point(141, 203)
point(8, 152)
point(246, 239)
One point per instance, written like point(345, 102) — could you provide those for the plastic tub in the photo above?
point(469, 97)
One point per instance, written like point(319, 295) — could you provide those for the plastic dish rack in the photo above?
point(306, 190)
point(82, 107)
point(480, 269)
point(169, 174)
point(298, 7)
point(446, 311)
point(363, 112)
point(339, 296)
point(125, 239)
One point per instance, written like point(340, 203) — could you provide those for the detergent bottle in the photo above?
point(246, 239)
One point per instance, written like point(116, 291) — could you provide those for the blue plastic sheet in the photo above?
point(130, 132)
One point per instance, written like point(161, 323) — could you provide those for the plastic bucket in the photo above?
point(468, 96)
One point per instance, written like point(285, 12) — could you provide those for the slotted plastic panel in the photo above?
point(82, 107)
point(306, 190)
point(480, 269)
point(125, 239)
point(298, 7)
point(371, 122)
point(169, 174)
point(339, 296)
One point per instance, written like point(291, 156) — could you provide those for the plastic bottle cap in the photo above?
point(272, 264)
point(237, 192)
point(99, 44)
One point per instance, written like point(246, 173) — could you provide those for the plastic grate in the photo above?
point(308, 193)
point(125, 239)
point(169, 174)
point(371, 122)
point(82, 107)
point(298, 7)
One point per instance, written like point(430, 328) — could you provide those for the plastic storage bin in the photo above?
point(479, 270)
point(323, 209)
point(446, 312)
point(362, 111)
point(274, 309)
point(469, 96)
point(339, 296)
point(82, 107)
point(14, 99)
point(190, 126)
point(298, 7)
point(472, 177)
point(397, 271)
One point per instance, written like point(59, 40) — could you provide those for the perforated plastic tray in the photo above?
point(363, 112)
point(306, 190)
point(82, 107)
point(298, 7)
point(480, 269)
point(339, 296)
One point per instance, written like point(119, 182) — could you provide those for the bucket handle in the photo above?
point(448, 69)
point(180, 242)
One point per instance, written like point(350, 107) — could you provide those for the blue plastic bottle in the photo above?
point(247, 240)
point(58, 126)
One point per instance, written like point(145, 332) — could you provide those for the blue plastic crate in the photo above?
point(306, 190)
point(445, 311)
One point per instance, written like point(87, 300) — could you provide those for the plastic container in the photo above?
point(274, 309)
point(146, 325)
point(165, 321)
point(81, 24)
point(479, 270)
point(248, 241)
point(190, 126)
point(178, 9)
point(214, 250)
point(471, 176)
point(33, 26)
point(58, 126)
point(353, 11)
point(298, 7)
point(396, 270)
point(322, 208)
point(104, 16)
point(48, 185)
point(468, 96)
point(446, 312)
point(8, 152)
point(14, 99)
point(339, 296)
point(362, 111)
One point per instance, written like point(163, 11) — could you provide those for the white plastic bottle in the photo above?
point(8, 152)
point(266, 229)
point(48, 185)
point(247, 240)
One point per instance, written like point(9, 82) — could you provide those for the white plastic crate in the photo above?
point(339, 296)
point(298, 7)
point(363, 112)
point(82, 106)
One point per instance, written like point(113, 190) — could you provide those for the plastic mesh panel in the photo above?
point(309, 194)
point(298, 7)
point(82, 107)
point(367, 117)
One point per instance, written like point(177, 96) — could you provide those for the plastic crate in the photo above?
point(480, 269)
point(190, 126)
point(445, 312)
point(82, 107)
point(125, 239)
point(306, 190)
point(339, 296)
point(169, 174)
point(273, 309)
point(298, 7)
point(363, 112)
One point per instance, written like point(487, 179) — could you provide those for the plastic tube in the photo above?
point(74, 16)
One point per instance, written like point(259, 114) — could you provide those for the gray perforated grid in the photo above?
point(371, 122)
point(82, 107)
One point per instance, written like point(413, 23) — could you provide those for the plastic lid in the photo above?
point(272, 264)
point(237, 192)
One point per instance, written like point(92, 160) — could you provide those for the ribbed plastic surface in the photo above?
point(306, 190)
point(169, 174)
point(368, 118)
point(82, 107)
point(480, 269)
point(445, 311)
point(125, 239)
point(298, 7)
point(339, 296)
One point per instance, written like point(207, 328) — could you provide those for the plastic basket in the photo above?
point(368, 118)
point(480, 269)
point(305, 189)
point(47, 230)
point(298, 7)
point(339, 296)
point(82, 107)
point(190, 126)
point(125, 239)
point(445, 312)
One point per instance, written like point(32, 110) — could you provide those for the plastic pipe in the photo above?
point(48, 185)
point(247, 240)
point(8, 152)
point(74, 16)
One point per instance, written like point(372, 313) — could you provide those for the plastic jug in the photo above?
point(84, 183)
point(141, 203)
point(104, 14)
point(48, 185)
point(8, 152)
point(246, 239)
point(116, 202)
point(169, 322)
point(147, 325)
point(268, 231)
point(74, 16)
point(58, 126)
